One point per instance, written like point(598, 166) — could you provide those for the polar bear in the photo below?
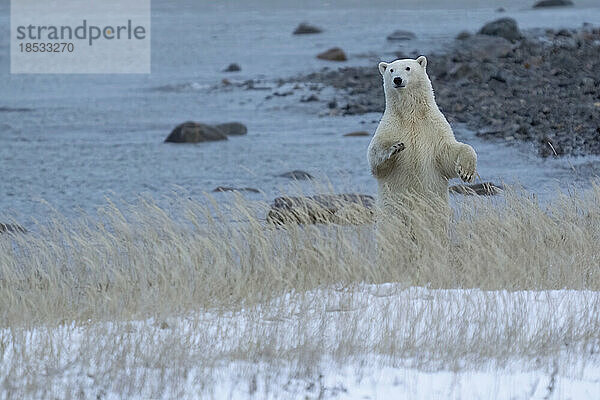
point(413, 151)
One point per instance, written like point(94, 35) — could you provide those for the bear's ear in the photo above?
point(382, 67)
point(422, 61)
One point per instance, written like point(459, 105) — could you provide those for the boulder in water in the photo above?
point(305, 29)
point(333, 54)
point(552, 3)
point(401, 35)
point(194, 132)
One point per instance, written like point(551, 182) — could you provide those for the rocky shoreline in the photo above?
point(540, 86)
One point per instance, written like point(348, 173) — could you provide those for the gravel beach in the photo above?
point(541, 87)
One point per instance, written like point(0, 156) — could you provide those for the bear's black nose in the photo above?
point(397, 81)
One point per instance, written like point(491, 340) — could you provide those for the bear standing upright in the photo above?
point(413, 151)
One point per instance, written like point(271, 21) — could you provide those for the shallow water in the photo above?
point(87, 137)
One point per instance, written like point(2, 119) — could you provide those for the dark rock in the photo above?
point(463, 35)
point(483, 47)
point(194, 132)
point(498, 77)
point(401, 35)
point(503, 27)
point(358, 133)
point(308, 99)
point(564, 32)
point(324, 208)
point(500, 9)
point(283, 94)
point(332, 104)
point(233, 68)
point(234, 189)
point(553, 3)
point(232, 128)
point(333, 54)
point(297, 175)
point(480, 189)
point(304, 29)
point(11, 228)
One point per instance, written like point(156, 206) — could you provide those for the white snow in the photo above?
point(365, 342)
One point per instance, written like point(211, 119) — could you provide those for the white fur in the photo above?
point(431, 154)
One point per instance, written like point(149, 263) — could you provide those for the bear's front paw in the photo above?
point(395, 149)
point(466, 163)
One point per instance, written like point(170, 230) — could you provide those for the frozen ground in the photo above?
point(366, 342)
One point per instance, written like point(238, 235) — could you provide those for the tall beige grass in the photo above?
point(213, 283)
point(139, 260)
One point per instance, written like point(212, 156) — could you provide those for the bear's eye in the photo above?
point(408, 68)
point(391, 70)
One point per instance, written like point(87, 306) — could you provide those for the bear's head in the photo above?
point(404, 75)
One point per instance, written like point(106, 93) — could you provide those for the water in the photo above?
point(91, 136)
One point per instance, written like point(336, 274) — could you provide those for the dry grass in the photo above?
point(138, 300)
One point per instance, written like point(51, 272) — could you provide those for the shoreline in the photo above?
point(542, 88)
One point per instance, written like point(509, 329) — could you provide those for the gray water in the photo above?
point(91, 136)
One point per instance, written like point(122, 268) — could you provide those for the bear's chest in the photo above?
point(419, 149)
